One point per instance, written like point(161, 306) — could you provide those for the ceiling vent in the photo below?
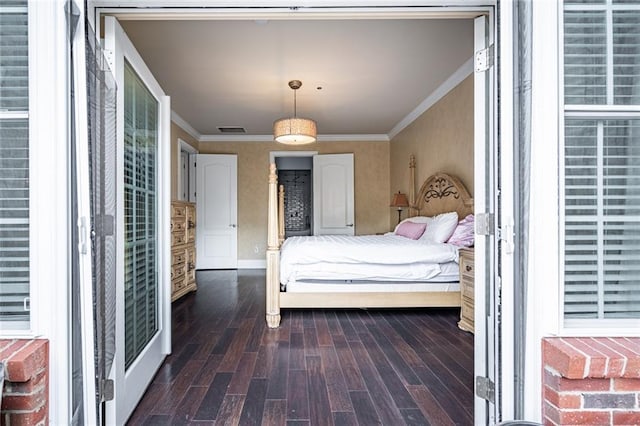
point(231, 129)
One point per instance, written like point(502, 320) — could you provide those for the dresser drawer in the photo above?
point(467, 290)
point(177, 271)
point(177, 283)
point(178, 256)
point(178, 225)
point(177, 238)
point(466, 266)
point(178, 211)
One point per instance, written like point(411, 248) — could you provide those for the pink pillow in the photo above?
point(463, 234)
point(411, 229)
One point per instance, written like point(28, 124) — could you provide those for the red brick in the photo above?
point(626, 418)
point(28, 362)
point(548, 422)
point(617, 360)
point(550, 412)
point(550, 379)
point(597, 359)
point(562, 400)
point(27, 419)
point(24, 402)
point(633, 364)
point(13, 347)
point(551, 396)
point(633, 343)
point(563, 358)
point(626, 384)
point(632, 368)
point(585, 385)
point(580, 417)
point(4, 343)
point(25, 387)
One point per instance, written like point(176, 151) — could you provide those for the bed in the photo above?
point(374, 271)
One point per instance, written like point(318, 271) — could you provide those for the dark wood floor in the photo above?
point(342, 367)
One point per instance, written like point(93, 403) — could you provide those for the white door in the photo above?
point(333, 204)
point(486, 340)
point(143, 301)
point(217, 211)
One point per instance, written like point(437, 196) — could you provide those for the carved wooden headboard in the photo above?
point(442, 193)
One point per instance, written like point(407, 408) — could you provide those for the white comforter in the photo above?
point(369, 257)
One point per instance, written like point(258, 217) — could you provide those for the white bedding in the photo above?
point(369, 257)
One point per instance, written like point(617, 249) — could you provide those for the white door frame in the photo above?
point(350, 9)
point(184, 146)
point(276, 154)
point(136, 379)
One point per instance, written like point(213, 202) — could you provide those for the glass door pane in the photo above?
point(140, 206)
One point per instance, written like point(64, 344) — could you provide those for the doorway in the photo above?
point(484, 146)
point(295, 175)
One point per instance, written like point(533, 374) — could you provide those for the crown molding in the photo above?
point(450, 83)
point(182, 123)
point(321, 138)
point(456, 78)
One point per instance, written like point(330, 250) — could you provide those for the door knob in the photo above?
point(349, 224)
point(233, 225)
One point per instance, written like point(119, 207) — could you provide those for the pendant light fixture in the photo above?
point(295, 130)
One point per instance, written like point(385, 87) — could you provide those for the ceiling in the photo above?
point(360, 77)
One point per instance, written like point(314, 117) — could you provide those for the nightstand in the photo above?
point(466, 289)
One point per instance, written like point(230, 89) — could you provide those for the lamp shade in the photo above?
point(294, 131)
point(399, 200)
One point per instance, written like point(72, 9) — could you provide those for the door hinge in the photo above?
point(485, 224)
point(107, 390)
point(109, 56)
point(506, 236)
point(486, 389)
point(82, 235)
point(484, 59)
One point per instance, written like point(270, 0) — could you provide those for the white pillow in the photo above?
point(415, 219)
point(441, 227)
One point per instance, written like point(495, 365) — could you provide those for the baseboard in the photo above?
point(252, 264)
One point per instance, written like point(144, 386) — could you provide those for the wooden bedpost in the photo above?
point(412, 186)
point(281, 215)
point(273, 253)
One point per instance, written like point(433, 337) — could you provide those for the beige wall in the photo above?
point(441, 139)
point(372, 193)
point(178, 132)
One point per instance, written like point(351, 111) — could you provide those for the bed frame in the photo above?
point(440, 193)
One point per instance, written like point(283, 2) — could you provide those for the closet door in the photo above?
point(333, 199)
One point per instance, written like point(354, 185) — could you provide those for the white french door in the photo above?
point(142, 289)
point(217, 211)
point(333, 198)
point(487, 330)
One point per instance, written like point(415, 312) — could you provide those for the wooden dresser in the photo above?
point(183, 248)
point(466, 289)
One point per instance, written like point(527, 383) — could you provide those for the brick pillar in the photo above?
point(591, 381)
point(25, 400)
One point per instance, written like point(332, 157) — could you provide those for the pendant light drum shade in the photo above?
point(294, 131)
